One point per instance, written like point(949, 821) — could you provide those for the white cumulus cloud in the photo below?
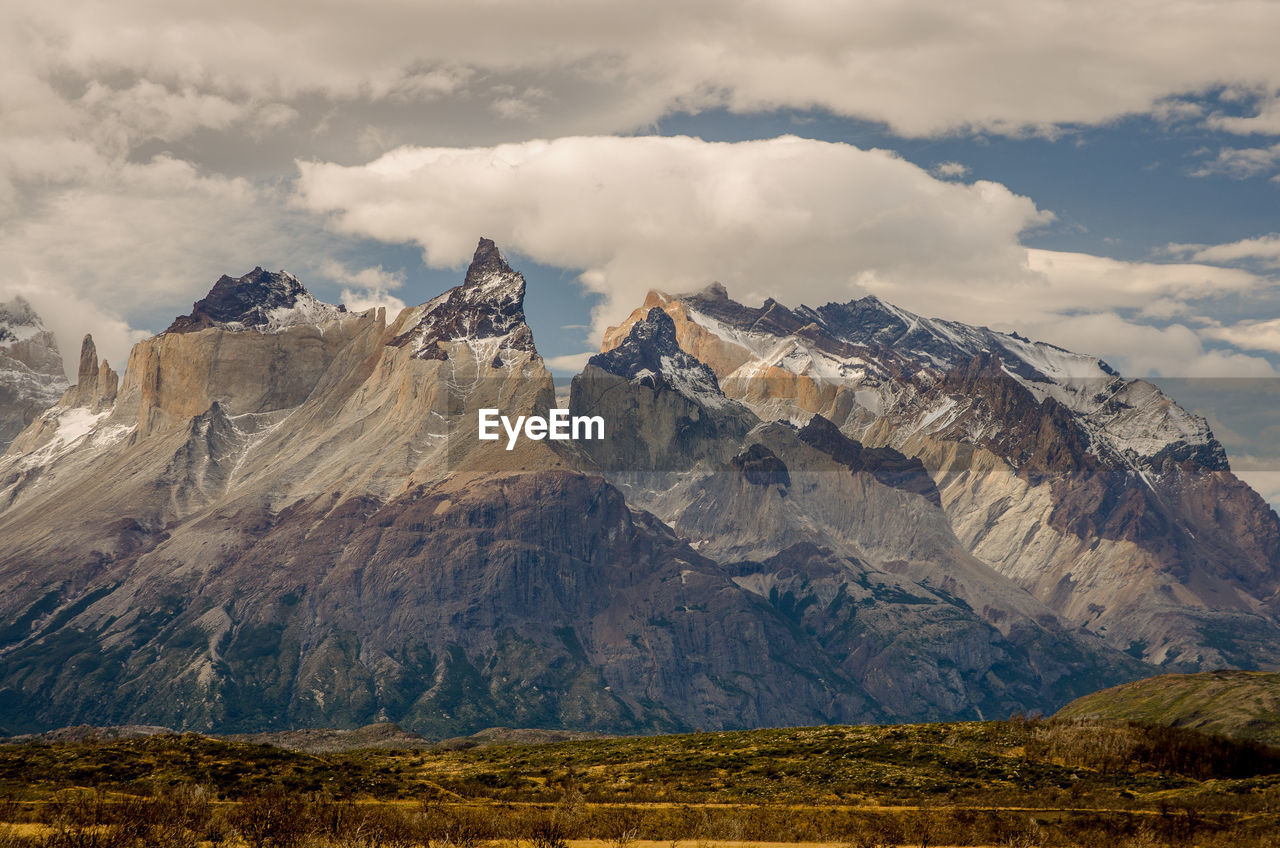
point(630, 214)
point(136, 238)
point(1265, 122)
point(1251, 334)
point(950, 170)
point(1263, 249)
point(365, 288)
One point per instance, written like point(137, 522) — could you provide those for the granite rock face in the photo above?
point(97, 383)
point(884, 583)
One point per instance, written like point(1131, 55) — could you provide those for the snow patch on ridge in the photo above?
point(692, 382)
point(306, 310)
point(1131, 419)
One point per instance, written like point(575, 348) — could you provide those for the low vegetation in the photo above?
point(1015, 783)
point(1239, 704)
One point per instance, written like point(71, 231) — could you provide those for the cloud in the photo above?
point(1076, 279)
point(362, 299)
point(1262, 249)
point(69, 316)
point(920, 67)
point(1266, 122)
point(1164, 308)
point(1250, 335)
point(118, 208)
point(801, 220)
point(950, 169)
point(147, 110)
point(570, 363)
point(1265, 483)
point(141, 242)
point(675, 213)
point(1140, 350)
point(1241, 162)
point(366, 278)
point(1048, 286)
point(1082, 295)
point(365, 288)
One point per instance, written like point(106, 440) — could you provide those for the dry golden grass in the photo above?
point(1010, 784)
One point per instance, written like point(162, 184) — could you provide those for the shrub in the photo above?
point(274, 819)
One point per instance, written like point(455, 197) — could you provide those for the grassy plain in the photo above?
point(1018, 783)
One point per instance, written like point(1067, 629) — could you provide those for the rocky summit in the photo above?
point(280, 516)
point(31, 375)
point(259, 299)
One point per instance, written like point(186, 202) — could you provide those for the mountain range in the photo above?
point(281, 516)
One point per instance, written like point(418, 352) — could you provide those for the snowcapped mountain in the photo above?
point(811, 515)
point(260, 300)
point(487, 310)
point(867, 347)
point(651, 354)
point(31, 375)
point(1090, 490)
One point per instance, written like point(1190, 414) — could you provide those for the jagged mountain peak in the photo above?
point(1031, 448)
point(312, 489)
point(843, 343)
point(490, 281)
point(19, 320)
point(486, 263)
point(96, 383)
point(655, 335)
point(716, 291)
point(643, 348)
point(260, 300)
point(943, 343)
point(489, 304)
point(651, 354)
point(88, 358)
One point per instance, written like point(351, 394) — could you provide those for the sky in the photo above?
point(1101, 175)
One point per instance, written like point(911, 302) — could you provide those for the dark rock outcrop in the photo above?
point(489, 304)
point(889, 466)
point(652, 355)
point(247, 301)
point(664, 409)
